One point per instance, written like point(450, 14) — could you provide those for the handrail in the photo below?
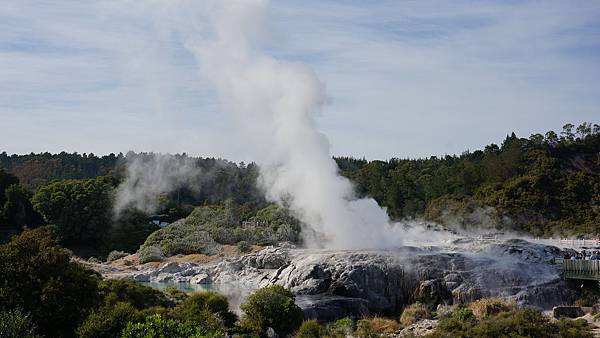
point(582, 267)
point(575, 242)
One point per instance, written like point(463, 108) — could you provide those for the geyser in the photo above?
point(276, 101)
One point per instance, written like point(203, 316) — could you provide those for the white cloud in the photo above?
point(406, 78)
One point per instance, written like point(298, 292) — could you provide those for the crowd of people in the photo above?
point(583, 255)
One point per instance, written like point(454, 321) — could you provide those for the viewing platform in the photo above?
point(581, 269)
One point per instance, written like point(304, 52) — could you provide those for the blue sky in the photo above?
point(404, 78)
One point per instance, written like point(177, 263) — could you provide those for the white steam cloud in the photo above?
point(276, 102)
point(147, 177)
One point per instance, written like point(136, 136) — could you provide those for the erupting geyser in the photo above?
point(275, 102)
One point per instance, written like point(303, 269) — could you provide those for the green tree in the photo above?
point(209, 307)
point(310, 329)
point(40, 278)
point(567, 133)
point(81, 209)
point(109, 321)
point(15, 324)
point(274, 307)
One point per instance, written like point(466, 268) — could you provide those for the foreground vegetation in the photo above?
point(45, 293)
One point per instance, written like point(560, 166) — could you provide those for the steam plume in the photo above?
point(149, 176)
point(276, 101)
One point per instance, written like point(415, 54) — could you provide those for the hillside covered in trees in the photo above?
point(542, 185)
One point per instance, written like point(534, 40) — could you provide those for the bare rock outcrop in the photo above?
point(333, 284)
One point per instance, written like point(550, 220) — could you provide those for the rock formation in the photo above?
point(332, 284)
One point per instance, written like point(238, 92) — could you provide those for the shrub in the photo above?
point(310, 329)
point(114, 255)
point(376, 327)
point(175, 294)
point(244, 247)
point(486, 307)
point(274, 307)
point(365, 330)
point(208, 227)
point(158, 327)
point(127, 290)
point(178, 238)
point(150, 254)
point(205, 307)
point(15, 324)
point(341, 327)
point(57, 292)
point(108, 321)
point(413, 313)
point(514, 323)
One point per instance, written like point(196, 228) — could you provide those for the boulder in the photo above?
point(567, 311)
point(201, 278)
point(329, 308)
point(141, 277)
point(163, 278)
point(171, 267)
point(433, 292)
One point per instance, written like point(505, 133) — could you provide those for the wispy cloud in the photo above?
point(405, 78)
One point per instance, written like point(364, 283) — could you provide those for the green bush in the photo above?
point(175, 294)
point(150, 253)
point(364, 329)
point(340, 328)
point(205, 307)
point(180, 237)
point(115, 254)
point(159, 327)
point(129, 291)
point(15, 324)
point(310, 329)
point(244, 247)
point(413, 313)
point(42, 280)
point(108, 321)
point(514, 323)
point(274, 307)
point(376, 327)
point(209, 227)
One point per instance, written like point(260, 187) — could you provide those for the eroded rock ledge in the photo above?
point(331, 284)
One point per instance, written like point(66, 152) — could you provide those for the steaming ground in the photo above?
point(332, 283)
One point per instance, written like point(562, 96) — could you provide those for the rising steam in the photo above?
point(147, 177)
point(276, 102)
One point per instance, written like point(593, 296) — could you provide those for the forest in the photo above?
point(543, 185)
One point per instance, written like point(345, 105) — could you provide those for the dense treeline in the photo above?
point(543, 185)
point(34, 170)
point(16, 209)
